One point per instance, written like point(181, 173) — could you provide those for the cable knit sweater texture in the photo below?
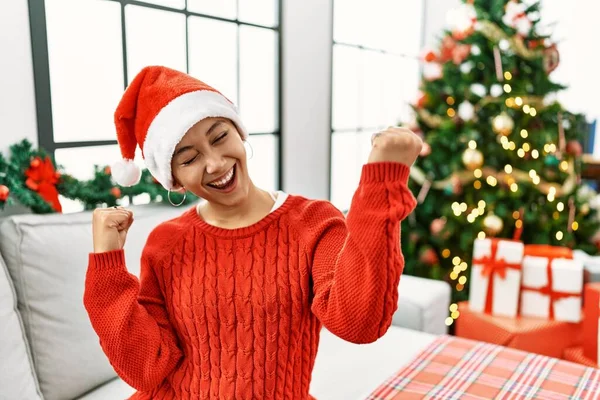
point(236, 313)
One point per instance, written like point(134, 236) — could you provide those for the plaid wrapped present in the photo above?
point(454, 368)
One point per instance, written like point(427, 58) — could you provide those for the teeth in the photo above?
point(224, 181)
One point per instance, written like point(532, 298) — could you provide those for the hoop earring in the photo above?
point(251, 149)
point(171, 201)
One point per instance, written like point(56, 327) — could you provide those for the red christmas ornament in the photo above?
point(437, 226)
point(452, 51)
point(107, 170)
point(430, 56)
point(116, 192)
point(35, 163)
point(422, 100)
point(551, 58)
point(457, 187)
point(414, 237)
point(574, 148)
point(534, 44)
point(4, 192)
point(429, 257)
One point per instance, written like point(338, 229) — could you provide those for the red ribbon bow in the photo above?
point(548, 291)
point(42, 178)
point(491, 266)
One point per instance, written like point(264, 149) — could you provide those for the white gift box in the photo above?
point(552, 288)
point(501, 278)
point(591, 265)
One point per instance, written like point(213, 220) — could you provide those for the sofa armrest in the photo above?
point(423, 305)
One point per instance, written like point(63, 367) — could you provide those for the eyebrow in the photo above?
point(213, 127)
point(208, 132)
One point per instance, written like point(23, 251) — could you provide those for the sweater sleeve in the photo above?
point(130, 319)
point(357, 261)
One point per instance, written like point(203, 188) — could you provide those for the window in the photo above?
point(86, 52)
point(375, 76)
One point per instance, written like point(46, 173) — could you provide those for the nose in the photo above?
point(215, 163)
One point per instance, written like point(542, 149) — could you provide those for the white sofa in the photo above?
point(48, 349)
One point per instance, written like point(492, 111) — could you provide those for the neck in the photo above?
point(257, 204)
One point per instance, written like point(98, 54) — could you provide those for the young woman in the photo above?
point(233, 293)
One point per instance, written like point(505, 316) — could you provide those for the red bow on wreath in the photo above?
point(42, 179)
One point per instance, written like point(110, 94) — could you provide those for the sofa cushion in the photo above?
point(17, 376)
point(47, 259)
point(115, 389)
point(423, 304)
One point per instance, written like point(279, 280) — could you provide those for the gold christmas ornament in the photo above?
point(493, 224)
point(472, 158)
point(503, 124)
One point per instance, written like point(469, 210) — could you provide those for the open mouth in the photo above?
point(226, 182)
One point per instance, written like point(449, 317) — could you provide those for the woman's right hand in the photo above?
point(109, 228)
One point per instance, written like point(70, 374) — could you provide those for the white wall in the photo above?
point(17, 97)
point(577, 32)
point(307, 47)
point(435, 19)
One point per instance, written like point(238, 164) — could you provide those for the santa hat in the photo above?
point(156, 110)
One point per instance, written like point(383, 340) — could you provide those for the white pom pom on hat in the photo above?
point(156, 110)
point(126, 173)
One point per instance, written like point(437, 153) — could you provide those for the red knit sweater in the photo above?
point(236, 313)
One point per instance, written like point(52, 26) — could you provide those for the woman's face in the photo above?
point(210, 161)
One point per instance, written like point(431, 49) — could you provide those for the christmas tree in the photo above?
point(502, 157)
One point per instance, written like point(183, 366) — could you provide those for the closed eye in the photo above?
point(188, 162)
point(221, 137)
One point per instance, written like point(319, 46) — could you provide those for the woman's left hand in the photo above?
point(396, 145)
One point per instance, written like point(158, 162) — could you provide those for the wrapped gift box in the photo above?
point(496, 276)
point(552, 284)
point(535, 335)
point(575, 354)
point(591, 265)
point(591, 323)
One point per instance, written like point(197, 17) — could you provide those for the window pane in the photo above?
point(382, 30)
point(375, 24)
point(214, 61)
point(148, 45)
point(79, 161)
point(178, 4)
point(82, 112)
point(345, 96)
point(345, 169)
point(260, 12)
point(219, 8)
point(263, 166)
point(347, 21)
point(373, 79)
point(408, 35)
point(400, 89)
point(258, 79)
